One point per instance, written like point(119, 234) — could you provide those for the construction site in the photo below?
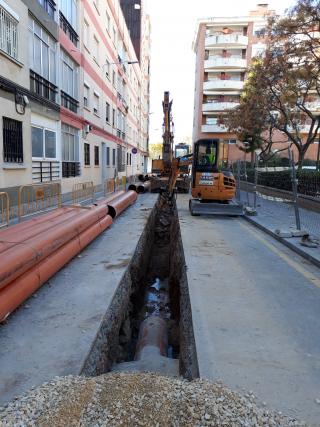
point(156, 305)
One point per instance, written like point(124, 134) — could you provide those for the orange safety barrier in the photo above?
point(34, 198)
point(20, 289)
point(20, 258)
point(83, 191)
point(4, 209)
point(119, 204)
point(109, 186)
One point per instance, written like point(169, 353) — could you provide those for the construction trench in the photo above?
point(148, 325)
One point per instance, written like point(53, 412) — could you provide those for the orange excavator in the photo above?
point(162, 168)
point(213, 186)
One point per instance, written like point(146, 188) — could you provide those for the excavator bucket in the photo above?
point(232, 208)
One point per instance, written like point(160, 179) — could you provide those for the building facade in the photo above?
point(224, 48)
point(72, 93)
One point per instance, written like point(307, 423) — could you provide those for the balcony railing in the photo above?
point(221, 62)
point(219, 106)
point(215, 128)
point(70, 169)
point(42, 87)
point(68, 29)
point(68, 102)
point(229, 40)
point(49, 6)
point(223, 84)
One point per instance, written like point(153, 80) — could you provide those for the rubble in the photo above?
point(136, 399)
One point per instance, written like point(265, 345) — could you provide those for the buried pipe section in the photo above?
point(148, 325)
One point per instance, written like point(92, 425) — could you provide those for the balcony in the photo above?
point(223, 84)
point(219, 62)
point(68, 102)
point(214, 128)
point(42, 87)
point(218, 106)
point(68, 29)
point(231, 41)
point(314, 107)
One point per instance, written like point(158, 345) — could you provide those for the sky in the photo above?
point(173, 26)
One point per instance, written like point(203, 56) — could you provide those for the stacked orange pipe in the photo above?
point(33, 251)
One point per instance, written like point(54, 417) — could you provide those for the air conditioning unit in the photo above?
point(87, 128)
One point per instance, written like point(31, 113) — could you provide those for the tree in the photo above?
point(284, 86)
point(155, 150)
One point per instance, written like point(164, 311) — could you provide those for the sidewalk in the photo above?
point(275, 215)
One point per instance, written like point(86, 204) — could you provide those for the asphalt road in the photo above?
point(256, 312)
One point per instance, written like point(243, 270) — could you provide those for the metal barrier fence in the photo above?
point(280, 197)
point(34, 198)
point(4, 209)
point(109, 186)
point(83, 192)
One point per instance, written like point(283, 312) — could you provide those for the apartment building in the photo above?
point(71, 91)
point(224, 48)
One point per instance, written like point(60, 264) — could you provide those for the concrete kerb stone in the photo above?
point(290, 245)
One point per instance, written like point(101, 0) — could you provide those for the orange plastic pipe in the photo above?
point(15, 261)
point(18, 235)
point(113, 196)
point(20, 289)
point(121, 203)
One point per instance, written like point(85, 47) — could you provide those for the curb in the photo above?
point(294, 248)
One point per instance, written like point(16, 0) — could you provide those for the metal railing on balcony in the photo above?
point(225, 62)
point(219, 106)
point(49, 6)
point(68, 102)
point(42, 87)
point(68, 29)
point(238, 40)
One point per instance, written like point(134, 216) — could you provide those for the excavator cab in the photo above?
point(213, 186)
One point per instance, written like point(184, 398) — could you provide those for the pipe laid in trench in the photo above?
point(18, 234)
point(121, 203)
point(15, 261)
point(15, 293)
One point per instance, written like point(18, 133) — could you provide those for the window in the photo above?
point(43, 143)
point(49, 6)
point(96, 155)
point(113, 157)
point(95, 49)
point(86, 35)
point(87, 154)
point(108, 22)
point(8, 31)
point(12, 141)
point(69, 75)
point(108, 157)
point(121, 159)
point(113, 117)
point(114, 36)
point(107, 67)
point(69, 10)
point(114, 78)
point(70, 151)
point(86, 94)
point(107, 112)
point(96, 101)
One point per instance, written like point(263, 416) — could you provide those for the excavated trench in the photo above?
point(148, 325)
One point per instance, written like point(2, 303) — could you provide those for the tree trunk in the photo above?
point(252, 159)
point(301, 154)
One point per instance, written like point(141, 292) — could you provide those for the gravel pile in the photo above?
point(135, 399)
